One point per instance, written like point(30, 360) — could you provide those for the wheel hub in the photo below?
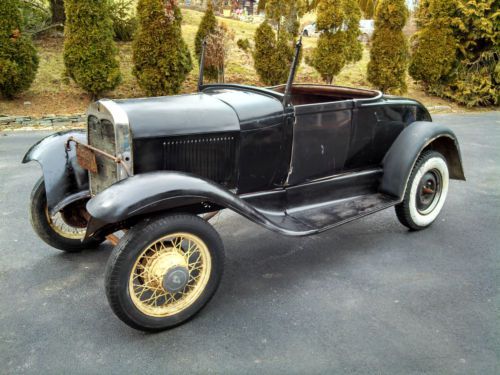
point(428, 191)
point(168, 271)
point(175, 279)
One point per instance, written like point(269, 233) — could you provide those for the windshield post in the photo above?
point(202, 64)
point(288, 89)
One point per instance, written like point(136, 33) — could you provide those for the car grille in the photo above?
point(101, 135)
point(210, 156)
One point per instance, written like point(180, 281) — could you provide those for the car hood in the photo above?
point(216, 111)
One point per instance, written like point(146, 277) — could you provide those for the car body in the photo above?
point(297, 159)
point(366, 28)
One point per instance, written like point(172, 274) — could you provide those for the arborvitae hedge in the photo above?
point(456, 50)
point(161, 57)
point(272, 58)
point(89, 49)
point(273, 53)
point(207, 27)
point(338, 22)
point(284, 14)
point(18, 57)
point(389, 52)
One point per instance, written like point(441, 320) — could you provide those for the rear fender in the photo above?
point(65, 181)
point(161, 191)
point(402, 155)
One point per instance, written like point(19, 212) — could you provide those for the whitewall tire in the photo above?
point(425, 193)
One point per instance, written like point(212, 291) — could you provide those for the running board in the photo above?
point(306, 220)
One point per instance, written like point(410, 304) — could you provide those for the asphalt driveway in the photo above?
point(366, 298)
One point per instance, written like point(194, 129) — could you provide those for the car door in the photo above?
point(321, 136)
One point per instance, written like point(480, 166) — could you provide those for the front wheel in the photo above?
point(66, 229)
point(425, 193)
point(163, 271)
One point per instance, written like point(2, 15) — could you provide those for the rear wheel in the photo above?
point(66, 229)
point(163, 271)
point(425, 193)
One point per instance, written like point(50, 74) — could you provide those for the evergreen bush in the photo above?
point(338, 44)
point(389, 52)
point(456, 50)
point(243, 44)
point(207, 27)
point(125, 22)
point(18, 56)
point(161, 57)
point(89, 50)
point(273, 52)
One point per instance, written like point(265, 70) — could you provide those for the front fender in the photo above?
point(160, 191)
point(402, 155)
point(63, 176)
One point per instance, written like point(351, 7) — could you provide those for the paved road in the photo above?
point(366, 298)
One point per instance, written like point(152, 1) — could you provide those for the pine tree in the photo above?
point(161, 57)
point(284, 14)
point(338, 22)
point(389, 52)
point(273, 54)
point(18, 56)
point(207, 27)
point(456, 50)
point(89, 50)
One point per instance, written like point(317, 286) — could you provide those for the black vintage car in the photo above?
point(296, 159)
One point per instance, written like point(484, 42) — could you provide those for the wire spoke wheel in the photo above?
point(170, 274)
point(66, 229)
point(62, 228)
point(163, 271)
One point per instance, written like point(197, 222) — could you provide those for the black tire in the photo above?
point(126, 255)
point(419, 210)
point(43, 228)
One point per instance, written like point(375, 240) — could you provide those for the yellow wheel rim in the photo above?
point(58, 225)
point(159, 260)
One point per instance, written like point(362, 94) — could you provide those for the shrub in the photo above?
point(272, 57)
point(389, 52)
point(284, 14)
point(124, 20)
point(217, 48)
point(338, 22)
point(208, 25)
point(89, 50)
point(243, 44)
point(161, 57)
point(456, 53)
point(18, 57)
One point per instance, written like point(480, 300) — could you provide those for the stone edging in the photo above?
point(48, 121)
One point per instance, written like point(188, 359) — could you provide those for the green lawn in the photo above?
point(51, 93)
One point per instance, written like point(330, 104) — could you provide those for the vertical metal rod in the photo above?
point(288, 88)
point(202, 64)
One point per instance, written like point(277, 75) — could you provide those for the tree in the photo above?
point(18, 56)
point(207, 27)
point(367, 7)
point(161, 57)
point(273, 54)
point(57, 10)
point(89, 50)
point(456, 50)
point(272, 57)
point(284, 14)
point(389, 52)
point(217, 48)
point(338, 23)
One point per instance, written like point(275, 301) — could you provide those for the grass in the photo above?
point(51, 93)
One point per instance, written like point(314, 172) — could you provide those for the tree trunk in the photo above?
point(58, 13)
